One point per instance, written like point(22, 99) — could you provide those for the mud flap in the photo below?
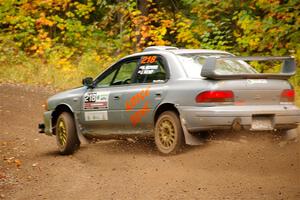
point(81, 138)
point(292, 134)
point(190, 139)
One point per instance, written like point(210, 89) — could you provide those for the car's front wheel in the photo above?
point(169, 137)
point(66, 135)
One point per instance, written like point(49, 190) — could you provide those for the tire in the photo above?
point(168, 133)
point(66, 135)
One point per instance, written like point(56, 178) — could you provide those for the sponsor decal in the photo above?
point(136, 99)
point(257, 81)
point(95, 115)
point(147, 69)
point(136, 117)
point(96, 100)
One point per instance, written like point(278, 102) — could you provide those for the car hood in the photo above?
point(68, 93)
point(65, 96)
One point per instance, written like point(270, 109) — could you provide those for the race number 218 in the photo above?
point(90, 97)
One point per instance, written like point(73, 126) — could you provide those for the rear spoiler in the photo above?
point(288, 68)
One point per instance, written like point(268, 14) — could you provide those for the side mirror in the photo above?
point(88, 81)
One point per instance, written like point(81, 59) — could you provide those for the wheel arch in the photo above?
point(57, 111)
point(164, 107)
point(189, 138)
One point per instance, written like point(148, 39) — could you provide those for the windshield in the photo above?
point(193, 63)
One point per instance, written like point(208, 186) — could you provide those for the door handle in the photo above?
point(158, 96)
point(116, 97)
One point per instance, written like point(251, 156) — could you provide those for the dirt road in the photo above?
point(229, 166)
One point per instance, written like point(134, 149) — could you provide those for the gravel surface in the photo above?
point(227, 166)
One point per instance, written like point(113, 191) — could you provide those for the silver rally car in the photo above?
point(173, 94)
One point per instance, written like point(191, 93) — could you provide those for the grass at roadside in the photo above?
point(57, 72)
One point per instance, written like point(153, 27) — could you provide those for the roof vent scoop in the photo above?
point(160, 48)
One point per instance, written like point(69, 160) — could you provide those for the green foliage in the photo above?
point(59, 41)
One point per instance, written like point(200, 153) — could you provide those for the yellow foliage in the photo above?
point(254, 42)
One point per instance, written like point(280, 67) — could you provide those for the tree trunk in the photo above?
point(142, 6)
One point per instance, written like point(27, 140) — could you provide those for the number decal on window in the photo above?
point(148, 59)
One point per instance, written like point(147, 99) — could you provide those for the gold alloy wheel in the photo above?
point(66, 135)
point(166, 133)
point(62, 132)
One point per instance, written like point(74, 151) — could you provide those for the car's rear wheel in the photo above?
point(66, 135)
point(169, 137)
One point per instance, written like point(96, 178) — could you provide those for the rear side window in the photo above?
point(192, 64)
point(227, 67)
point(151, 70)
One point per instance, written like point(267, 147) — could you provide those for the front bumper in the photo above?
point(46, 127)
point(225, 117)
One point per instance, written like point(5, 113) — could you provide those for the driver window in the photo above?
point(120, 75)
point(125, 72)
point(107, 80)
